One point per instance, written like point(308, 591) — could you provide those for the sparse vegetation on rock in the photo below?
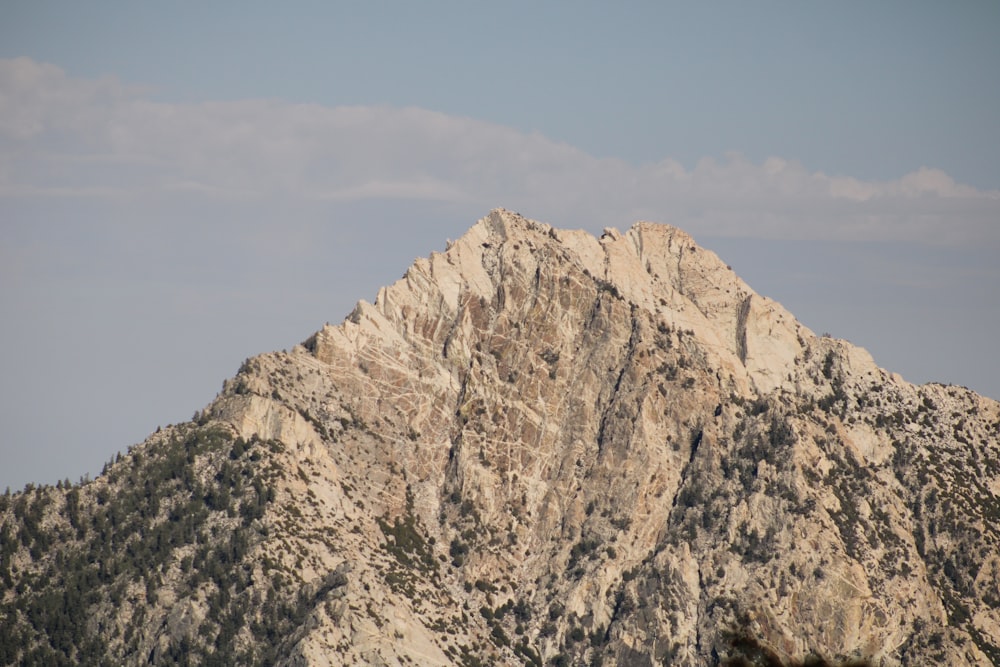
point(536, 448)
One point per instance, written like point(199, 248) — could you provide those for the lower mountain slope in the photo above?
point(538, 447)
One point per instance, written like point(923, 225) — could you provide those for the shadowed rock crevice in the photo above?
point(741, 328)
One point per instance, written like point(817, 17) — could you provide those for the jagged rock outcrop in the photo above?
point(538, 447)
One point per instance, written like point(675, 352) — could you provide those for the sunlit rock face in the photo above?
point(542, 447)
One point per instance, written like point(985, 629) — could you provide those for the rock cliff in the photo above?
point(537, 447)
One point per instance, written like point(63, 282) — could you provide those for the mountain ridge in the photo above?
point(537, 447)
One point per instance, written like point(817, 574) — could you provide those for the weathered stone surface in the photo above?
point(544, 446)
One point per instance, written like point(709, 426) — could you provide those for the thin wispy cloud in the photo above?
point(173, 240)
point(62, 136)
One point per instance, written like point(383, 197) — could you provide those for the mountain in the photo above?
point(537, 447)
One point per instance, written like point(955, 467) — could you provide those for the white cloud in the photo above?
point(61, 136)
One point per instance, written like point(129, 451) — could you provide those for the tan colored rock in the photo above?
point(542, 445)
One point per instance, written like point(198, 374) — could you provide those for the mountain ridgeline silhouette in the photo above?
point(538, 447)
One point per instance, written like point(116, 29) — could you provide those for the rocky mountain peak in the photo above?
point(656, 270)
point(539, 447)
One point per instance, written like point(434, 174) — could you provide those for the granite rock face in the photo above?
point(539, 447)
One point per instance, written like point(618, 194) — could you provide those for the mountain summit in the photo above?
point(537, 447)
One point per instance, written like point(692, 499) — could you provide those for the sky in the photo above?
point(185, 185)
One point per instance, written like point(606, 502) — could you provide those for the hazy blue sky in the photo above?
point(183, 185)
